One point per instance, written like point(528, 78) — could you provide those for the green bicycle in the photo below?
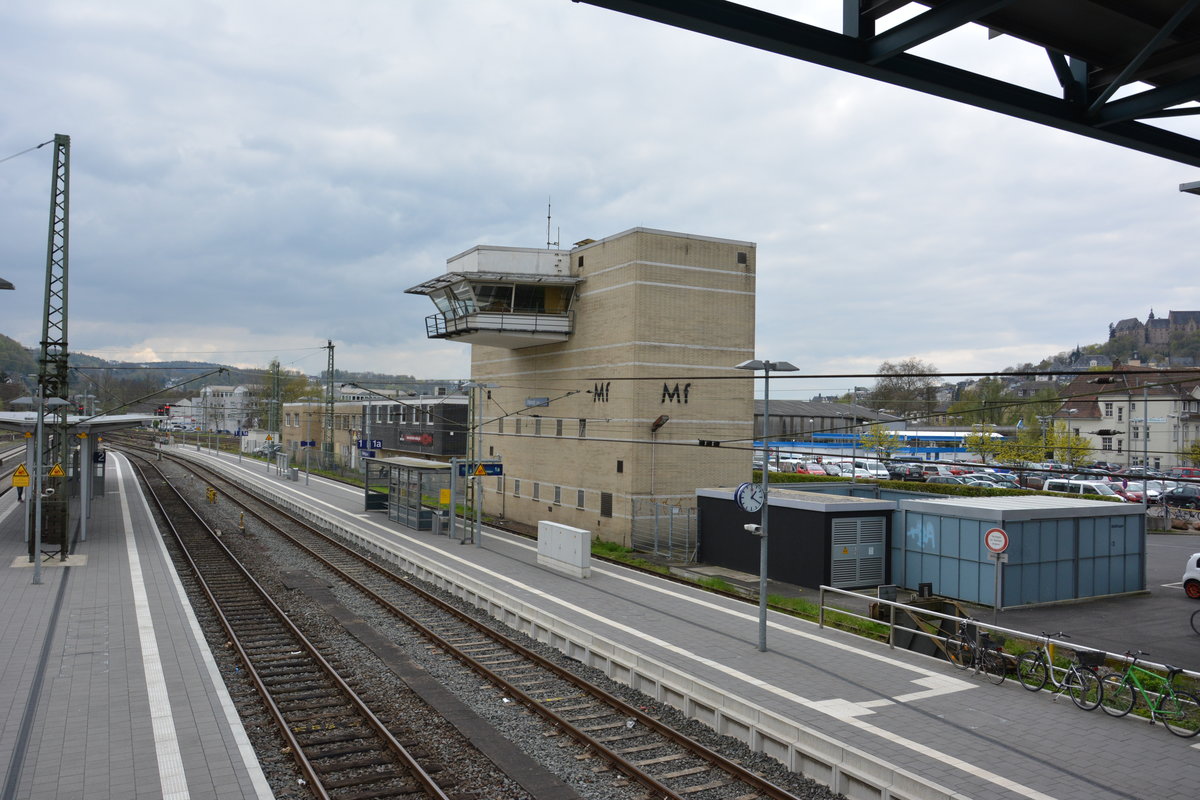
point(1179, 711)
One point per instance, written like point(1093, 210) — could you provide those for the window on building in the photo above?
point(517, 425)
point(1134, 432)
point(537, 490)
point(606, 504)
point(1120, 414)
point(516, 487)
point(579, 498)
point(620, 466)
point(537, 427)
point(500, 425)
point(1108, 409)
point(1106, 443)
point(499, 484)
point(582, 428)
point(558, 427)
point(1120, 445)
point(558, 495)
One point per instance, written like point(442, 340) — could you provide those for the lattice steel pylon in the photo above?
point(327, 444)
point(52, 364)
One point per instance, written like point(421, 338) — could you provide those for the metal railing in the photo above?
point(439, 325)
point(917, 612)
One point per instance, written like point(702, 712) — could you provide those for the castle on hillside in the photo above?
point(1156, 330)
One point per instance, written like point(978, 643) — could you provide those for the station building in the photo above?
point(601, 372)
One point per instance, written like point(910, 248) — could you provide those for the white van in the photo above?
point(1067, 486)
point(875, 469)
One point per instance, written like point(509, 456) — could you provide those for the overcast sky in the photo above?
point(251, 179)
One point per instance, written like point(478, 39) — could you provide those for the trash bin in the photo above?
point(295, 473)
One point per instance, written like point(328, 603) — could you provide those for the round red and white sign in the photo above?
point(996, 540)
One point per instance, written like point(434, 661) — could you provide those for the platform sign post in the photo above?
point(996, 541)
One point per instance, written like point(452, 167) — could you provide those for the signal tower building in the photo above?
point(603, 375)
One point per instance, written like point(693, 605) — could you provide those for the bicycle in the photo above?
point(1179, 711)
point(970, 647)
point(1035, 668)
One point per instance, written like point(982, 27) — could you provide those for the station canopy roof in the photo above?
point(1118, 62)
point(26, 422)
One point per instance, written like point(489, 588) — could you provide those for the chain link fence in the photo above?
point(668, 531)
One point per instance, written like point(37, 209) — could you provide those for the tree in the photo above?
point(1192, 454)
point(907, 388)
point(1070, 448)
point(883, 441)
point(981, 442)
point(1042, 404)
point(1027, 447)
point(984, 402)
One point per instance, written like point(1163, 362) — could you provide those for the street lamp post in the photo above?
point(767, 368)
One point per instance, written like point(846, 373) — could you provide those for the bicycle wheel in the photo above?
point(1196, 621)
point(1031, 670)
point(1084, 688)
point(960, 651)
point(1117, 697)
point(1180, 713)
point(994, 665)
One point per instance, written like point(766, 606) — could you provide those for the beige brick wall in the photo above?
point(661, 319)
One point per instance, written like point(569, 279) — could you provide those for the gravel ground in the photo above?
point(589, 777)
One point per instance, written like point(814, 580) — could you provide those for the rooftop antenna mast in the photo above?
point(550, 245)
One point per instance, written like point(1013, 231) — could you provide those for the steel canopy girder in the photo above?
point(880, 58)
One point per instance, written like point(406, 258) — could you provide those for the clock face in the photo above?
point(749, 497)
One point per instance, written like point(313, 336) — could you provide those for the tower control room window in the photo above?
point(494, 296)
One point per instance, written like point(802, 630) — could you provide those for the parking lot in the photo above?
point(1156, 622)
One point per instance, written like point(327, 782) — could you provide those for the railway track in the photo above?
point(599, 724)
point(344, 750)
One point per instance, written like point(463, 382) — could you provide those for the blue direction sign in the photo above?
point(483, 468)
point(312, 443)
point(370, 444)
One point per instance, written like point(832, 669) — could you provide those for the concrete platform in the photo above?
point(107, 689)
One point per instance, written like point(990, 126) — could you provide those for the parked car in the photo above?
point(950, 479)
point(1001, 480)
point(1033, 480)
point(1186, 495)
point(1191, 577)
point(935, 469)
point(1152, 489)
point(1070, 486)
point(1183, 472)
point(1128, 491)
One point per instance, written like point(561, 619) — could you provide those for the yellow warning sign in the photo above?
point(21, 476)
point(479, 470)
point(81, 435)
point(57, 471)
